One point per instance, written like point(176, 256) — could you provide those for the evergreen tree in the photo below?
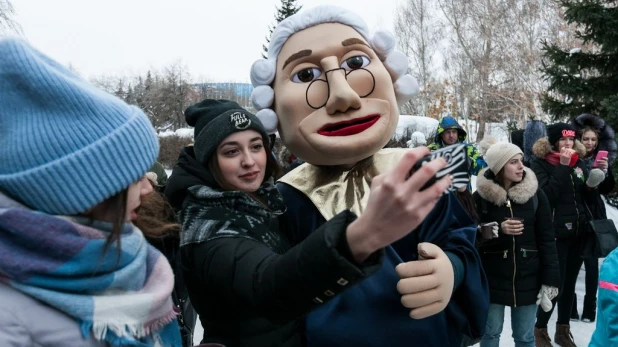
point(288, 8)
point(585, 79)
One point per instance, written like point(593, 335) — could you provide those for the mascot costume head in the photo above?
point(330, 88)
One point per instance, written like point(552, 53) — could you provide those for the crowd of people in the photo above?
point(99, 247)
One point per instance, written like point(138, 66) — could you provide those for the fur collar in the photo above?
point(519, 193)
point(542, 148)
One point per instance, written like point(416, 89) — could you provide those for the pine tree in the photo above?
point(585, 79)
point(288, 8)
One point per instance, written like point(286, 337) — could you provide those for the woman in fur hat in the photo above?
point(569, 186)
point(520, 261)
point(595, 135)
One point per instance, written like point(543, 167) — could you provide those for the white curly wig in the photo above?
point(383, 43)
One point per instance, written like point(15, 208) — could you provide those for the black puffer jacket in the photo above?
point(245, 280)
point(565, 189)
point(517, 266)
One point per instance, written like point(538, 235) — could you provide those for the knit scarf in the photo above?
point(210, 214)
point(554, 159)
point(120, 297)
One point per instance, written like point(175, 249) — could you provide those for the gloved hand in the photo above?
point(426, 285)
point(595, 178)
point(545, 296)
point(493, 225)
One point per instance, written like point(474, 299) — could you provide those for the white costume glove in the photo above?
point(546, 295)
point(494, 228)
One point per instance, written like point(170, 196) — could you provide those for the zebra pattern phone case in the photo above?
point(457, 165)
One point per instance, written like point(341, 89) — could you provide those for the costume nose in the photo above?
point(341, 96)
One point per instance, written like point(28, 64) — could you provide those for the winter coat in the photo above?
point(27, 322)
point(248, 284)
point(606, 333)
point(370, 313)
point(476, 160)
point(516, 266)
point(565, 189)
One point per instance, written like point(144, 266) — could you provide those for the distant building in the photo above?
point(239, 92)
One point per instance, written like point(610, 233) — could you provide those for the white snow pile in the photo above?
point(426, 125)
point(182, 133)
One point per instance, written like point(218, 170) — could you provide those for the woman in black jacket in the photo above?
point(595, 135)
point(520, 262)
point(569, 186)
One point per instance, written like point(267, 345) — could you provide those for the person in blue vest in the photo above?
point(332, 91)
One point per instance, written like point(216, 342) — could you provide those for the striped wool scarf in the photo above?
point(121, 297)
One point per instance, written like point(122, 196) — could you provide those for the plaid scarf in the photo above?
point(121, 297)
point(210, 214)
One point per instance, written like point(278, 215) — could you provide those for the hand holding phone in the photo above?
point(457, 165)
point(600, 155)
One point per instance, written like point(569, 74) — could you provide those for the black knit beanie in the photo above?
point(557, 131)
point(214, 120)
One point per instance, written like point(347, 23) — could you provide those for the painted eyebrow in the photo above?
point(297, 55)
point(353, 41)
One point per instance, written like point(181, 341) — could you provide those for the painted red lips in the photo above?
point(350, 127)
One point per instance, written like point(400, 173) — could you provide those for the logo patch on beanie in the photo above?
point(568, 133)
point(240, 120)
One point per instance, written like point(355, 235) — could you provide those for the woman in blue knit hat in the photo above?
point(74, 270)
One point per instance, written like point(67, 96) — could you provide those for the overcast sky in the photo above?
point(215, 39)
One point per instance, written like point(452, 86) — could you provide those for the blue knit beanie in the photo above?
point(65, 146)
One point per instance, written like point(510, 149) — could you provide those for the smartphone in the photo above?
point(600, 155)
point(457, 165)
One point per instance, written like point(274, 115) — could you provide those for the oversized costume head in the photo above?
point(330, 88)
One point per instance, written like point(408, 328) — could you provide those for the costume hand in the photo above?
point(426, 285)
point(545, 296)
point(565, 155)
point(494, 228)
point(512, 227)
point(396, 206)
